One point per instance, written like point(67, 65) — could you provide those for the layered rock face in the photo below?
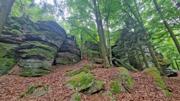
point(35, 46)
point(68, 53)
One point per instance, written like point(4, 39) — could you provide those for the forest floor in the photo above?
point(12, 86)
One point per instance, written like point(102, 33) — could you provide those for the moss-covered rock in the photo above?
point(34, 63)
point(49, 55)
point(65, 58)
point(96, 87)
point(7, 60)
point(158, 80)
point(31, 72)
point(81, 81)
point(115, 87)
point(125, 78)
point(37, 45)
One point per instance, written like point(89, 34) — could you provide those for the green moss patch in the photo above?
point(125, 78)
point(122, 82)
point(38, 51)
point(115, 87)
point(85, 82)
point(153, 72)
point(81, 81)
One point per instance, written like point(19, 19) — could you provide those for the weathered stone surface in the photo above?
point(37, 45)
point(69, 45)
point(68, 53)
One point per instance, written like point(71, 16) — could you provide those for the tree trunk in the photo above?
point(5, 9)
point(101, 34)
point(109, 43)
point(167, 26)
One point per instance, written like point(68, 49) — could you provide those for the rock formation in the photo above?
point(35, 46)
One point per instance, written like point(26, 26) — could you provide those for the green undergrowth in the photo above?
point(153, 72)
point(35, 90)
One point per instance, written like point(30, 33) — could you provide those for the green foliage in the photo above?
point(29, 72)
point(158, 79)
point(31, 9)
point(81, 81)
point(115, 87)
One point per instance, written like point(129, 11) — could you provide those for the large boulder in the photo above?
point(34, 46)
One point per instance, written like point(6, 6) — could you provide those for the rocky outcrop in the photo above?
point(37, 45)
point(68, 53)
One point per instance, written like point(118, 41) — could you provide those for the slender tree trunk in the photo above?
point(5, 9)
point(155, 61)
point(109, 43)
point(101, 34)
point(108, 10)
point(167, 26)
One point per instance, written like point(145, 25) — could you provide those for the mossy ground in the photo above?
point(153, 72)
